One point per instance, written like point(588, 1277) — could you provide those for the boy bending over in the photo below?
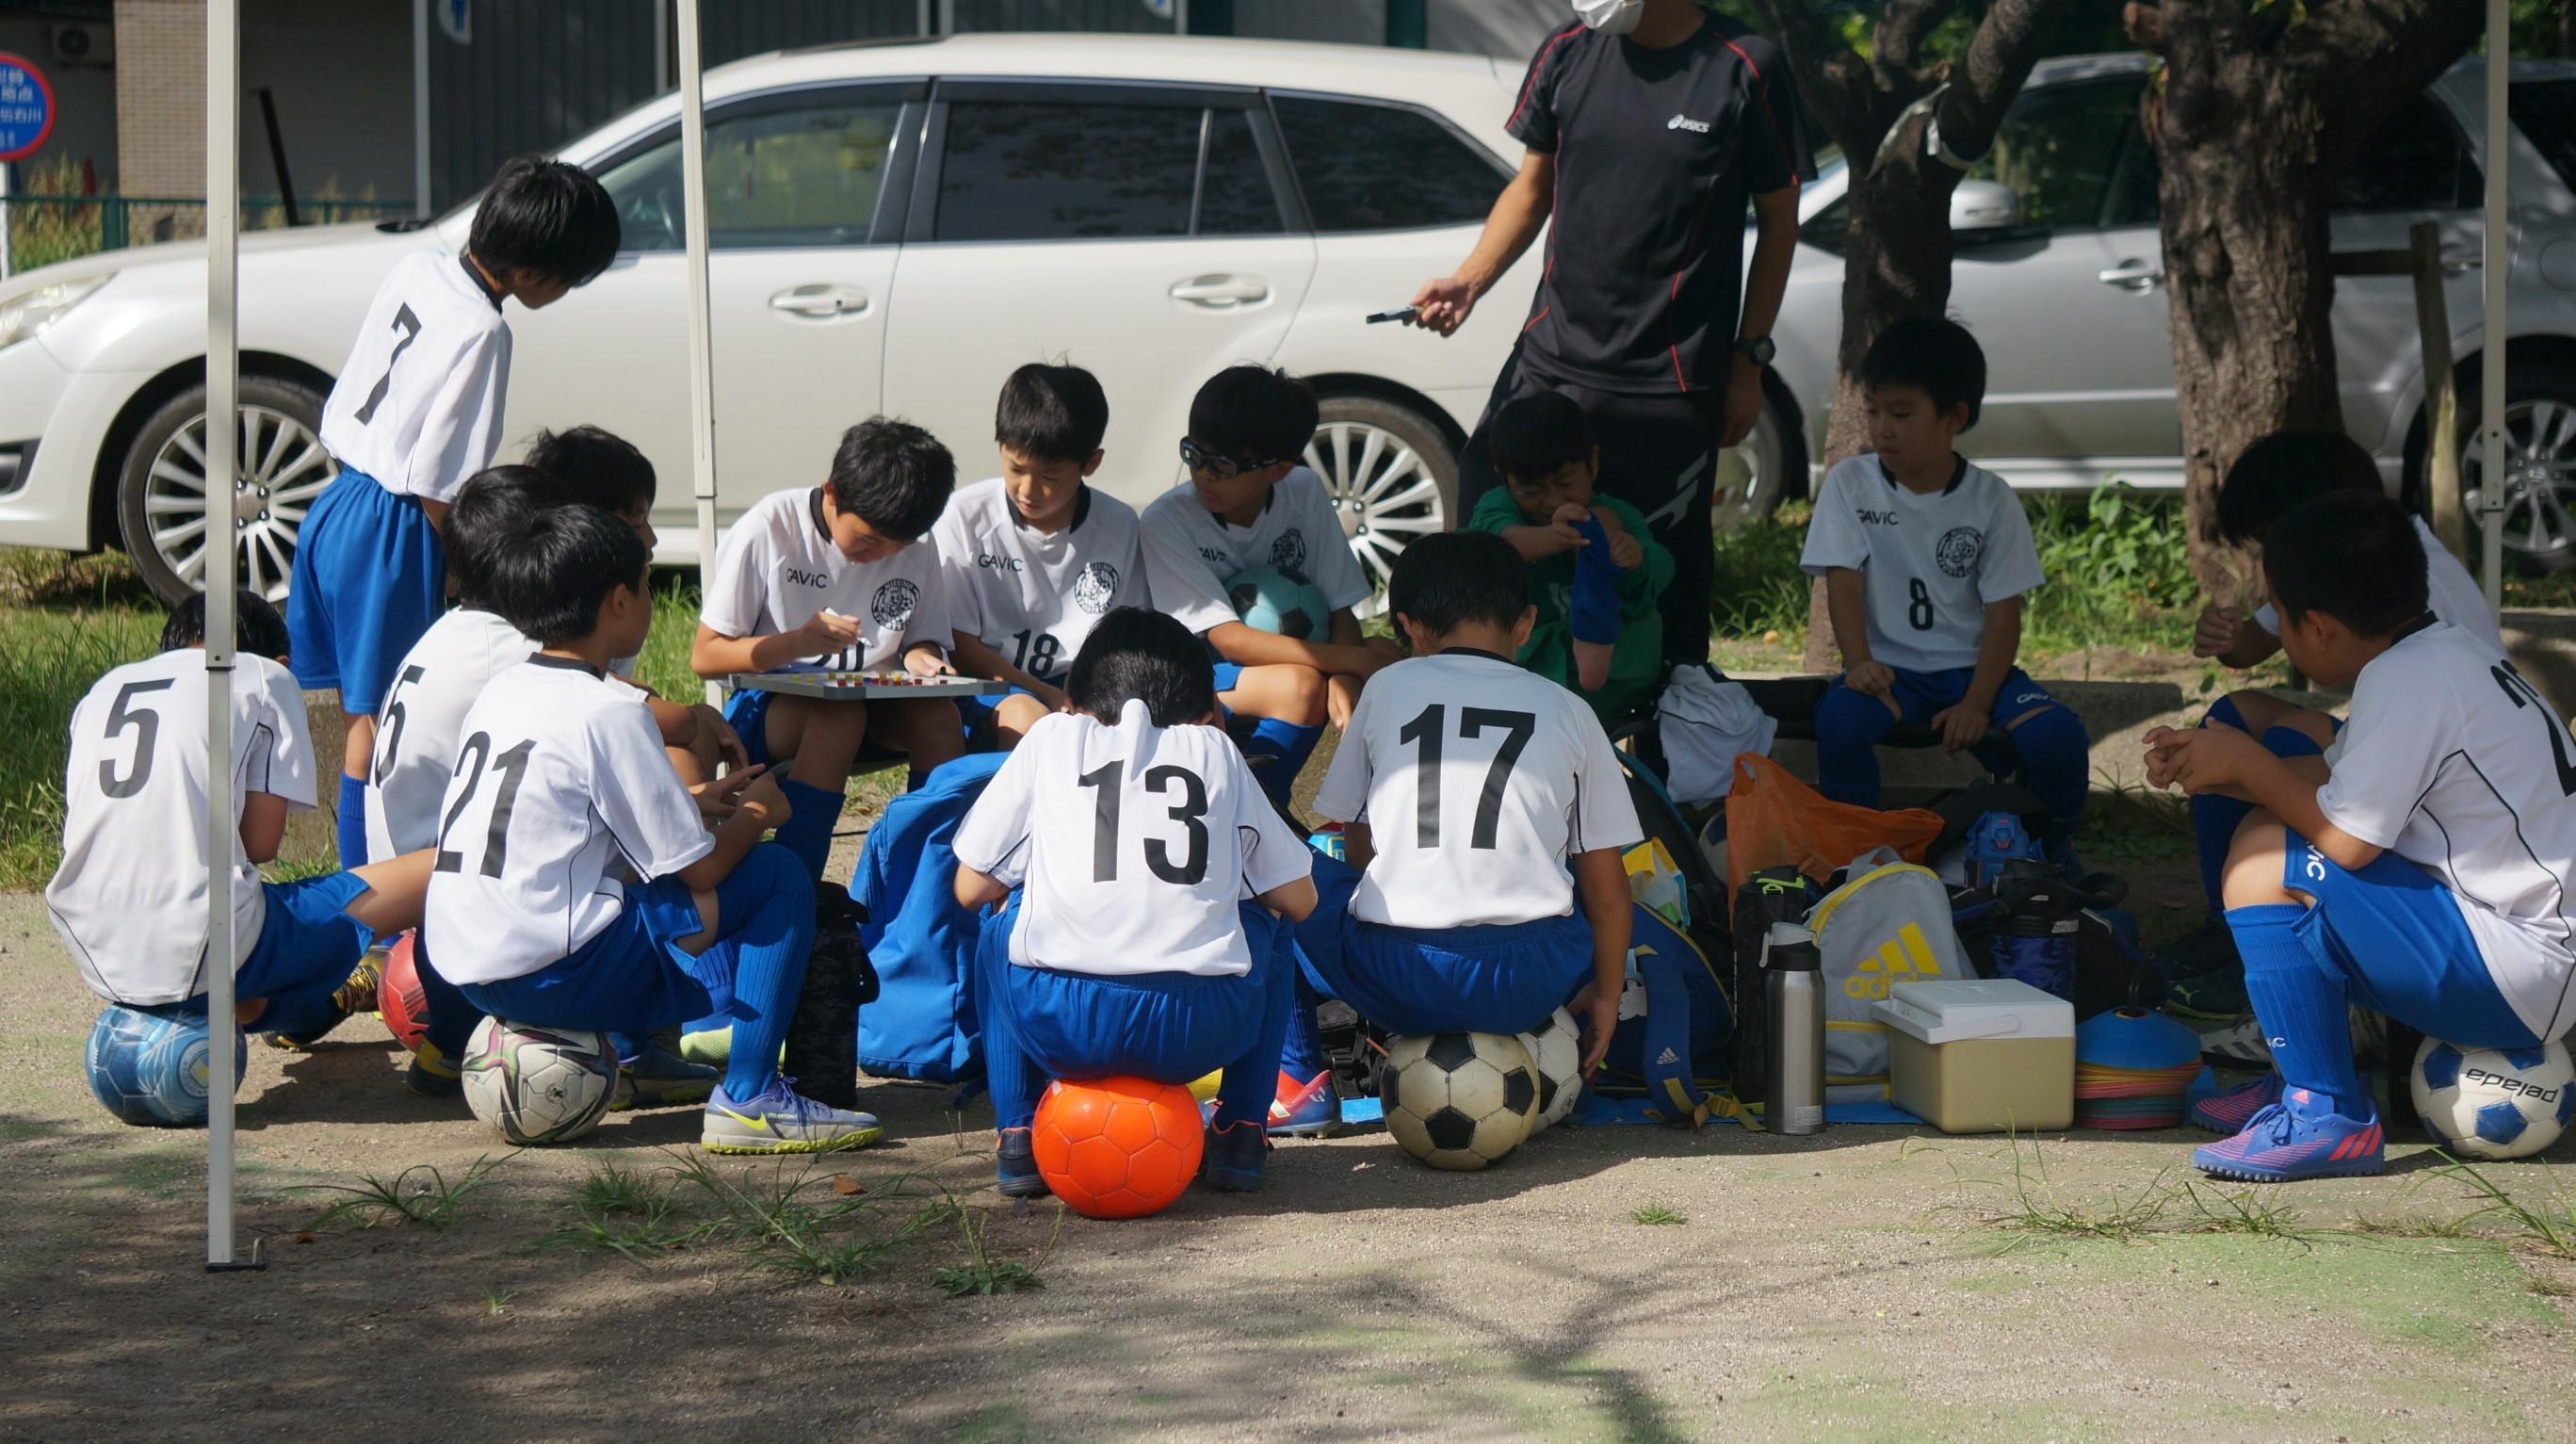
point(2422, 867)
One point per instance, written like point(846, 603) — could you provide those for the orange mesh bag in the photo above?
point(1773, 818)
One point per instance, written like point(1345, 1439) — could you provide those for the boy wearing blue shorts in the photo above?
point(1148, 879)
point(1926, 559)
point(130, 897)
point(1036, 557)
point(2422, 867)
point(575, 884)
point(1248, 503)
point(1487, 816)
point(838, 577)
point(416, 411)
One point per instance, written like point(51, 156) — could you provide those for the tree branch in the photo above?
point(1832, 80)
point(1897, 44)
point(2000, 57)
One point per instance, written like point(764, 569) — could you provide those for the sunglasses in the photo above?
point(1223, 468)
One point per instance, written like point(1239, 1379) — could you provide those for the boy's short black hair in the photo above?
point(1451, 579)
point(1051, 413)
point(1252, 413)
point(599, 468)
point(489, 516)
point(1936, 356)
point(2353, 555)
point(1537, 436)
point(892, 475)
point(551, 584)
point(2284, 469)
point(257, 628)
point(549, 216)
point(1147, 656)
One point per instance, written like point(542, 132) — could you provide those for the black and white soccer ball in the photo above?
point(538, 1085)
point(1556, 1046)
point(2494, 1102)
point(1460, 1100)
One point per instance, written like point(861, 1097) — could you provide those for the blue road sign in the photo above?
point(26, 108)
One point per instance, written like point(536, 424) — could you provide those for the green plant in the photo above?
point(1656, 1215)
point(43, 231)
point(984, 1273)
point(420, 1194)
point(629, 1214)
point(784, 1225)
point(2116, 571)
point(496, 1300)
point(2031, 1208)
point(2549, 1225)
point(2265, 1213)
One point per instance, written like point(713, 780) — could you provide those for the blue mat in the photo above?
point(1599, 1111)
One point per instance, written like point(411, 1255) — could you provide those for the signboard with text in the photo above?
point(26, 108)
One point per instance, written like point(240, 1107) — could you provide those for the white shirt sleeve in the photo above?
point(732, 603)
point(461, 427)
point(934, 615)
point(1132, 589)
point(1337, 572)
point(2009, 566)
point(1834, 535)
point(1343, 797)
point(284, 765)
point(994, 838)
point(1604, 815)
point(2382, 763)
point(1273, 854)
point(956, 574)
point(639, 799)
point(1181, 581)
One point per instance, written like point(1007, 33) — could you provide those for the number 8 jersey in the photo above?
point(561, 791)
point(1134, 842)
point(1930, 564)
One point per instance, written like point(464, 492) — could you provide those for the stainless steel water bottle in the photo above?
point(1793, 988)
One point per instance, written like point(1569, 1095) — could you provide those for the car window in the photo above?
point(2059, 149)
point(1235, 198)
point(2414, 162)
point(2545, 112)
point(804, 176)
point(1383, 167)
point(1033, 171)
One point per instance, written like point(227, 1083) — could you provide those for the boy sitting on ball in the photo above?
point(2422, 867)
point(1484, 805)
point(1147, 876)
point(130, 897)
point(1597, 574)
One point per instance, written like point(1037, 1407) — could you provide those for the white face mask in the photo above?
point(1610, 17)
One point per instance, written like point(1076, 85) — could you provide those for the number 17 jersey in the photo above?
point(1479, 781)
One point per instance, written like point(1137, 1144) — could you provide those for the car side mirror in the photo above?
point(1983, 206)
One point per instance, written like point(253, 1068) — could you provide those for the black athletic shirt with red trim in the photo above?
point(1658, 154)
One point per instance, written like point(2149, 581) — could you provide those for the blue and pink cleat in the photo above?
point(2230, 1111)
point(2280, 1144)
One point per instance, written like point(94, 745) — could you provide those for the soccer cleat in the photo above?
point(2230, 1111)
point(1015, 1166)
point(659, 1078)
point(432, 1074)
point(2279, 1145)
point(1312, 1109)
point(781, 1120)
point(2209, 948)
point(356, 994)
point(1234, 1158)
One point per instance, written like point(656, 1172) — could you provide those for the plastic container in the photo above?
point(1981, 1055)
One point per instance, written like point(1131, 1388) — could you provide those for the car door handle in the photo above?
point(2135, 277)
point(1221, 293)
point(820, 301)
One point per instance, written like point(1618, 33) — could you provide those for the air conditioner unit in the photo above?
point(77, 44)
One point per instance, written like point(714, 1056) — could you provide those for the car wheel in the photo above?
point(1756, 476)
point(161, 489)
point(1392, 476)
point(2540, 467)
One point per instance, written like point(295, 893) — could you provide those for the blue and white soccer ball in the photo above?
point(151, 1069)
point(2494, 1103)
point(1280, 600)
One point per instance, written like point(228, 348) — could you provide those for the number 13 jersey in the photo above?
point(561, 791)
point(1479, 781)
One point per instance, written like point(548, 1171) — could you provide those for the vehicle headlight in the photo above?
point(27, 316)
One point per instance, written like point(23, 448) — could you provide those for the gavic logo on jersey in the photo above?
point(1093, 589)
point(1684, 122)
point(1213, 557)
point(892, 605)
point(1958, 551)
point(1289, 550)
point(992, 562)
point(2315, 866)
point(799, 577)
point(1875, 518)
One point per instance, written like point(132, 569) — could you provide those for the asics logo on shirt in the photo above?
point(799, 577)
point(893, 603)
point(1959, 549)
point(989, 562)
point(1093, 589)
point(1684, 122)
point(1289, 550)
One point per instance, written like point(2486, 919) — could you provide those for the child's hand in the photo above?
point(764, 803)
point(1870, 679)
point(2217, 632)
point(1625, 553)
point(2202, 759)
point(1601, 1022)
point(712, 723)
point(1961, 725)
point(721, 798)
point(927, 660)
point(824, 633)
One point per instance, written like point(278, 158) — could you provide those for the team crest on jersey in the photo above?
point(1093, 589)
point(1959, 550)
point(1289, 551)
point(892, 605)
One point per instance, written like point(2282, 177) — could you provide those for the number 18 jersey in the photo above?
point(561, 790)
point(1479, 781)
point(1031, 597)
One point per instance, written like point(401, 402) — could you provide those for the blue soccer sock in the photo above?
point(1592, 612)
point(1290, 745)
point(353, 822)
point(451, 1018)
point(2301, 1007)
point(1848, 726)
point(1301, 1048)
point(765, 928)
point(1251, 1081)
point(812, 814)
point(2214, 820)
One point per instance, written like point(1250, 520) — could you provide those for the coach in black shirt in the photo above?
point(1650, 124)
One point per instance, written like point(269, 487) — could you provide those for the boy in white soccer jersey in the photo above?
point(1036, 556)
point(838, 577)
point(2422, 867)
point(416, 411)
point(130, 897)
point(1148, 877)
point(1926, 559)
point(1488, 813)
point(1248, 504)
point(576, 885)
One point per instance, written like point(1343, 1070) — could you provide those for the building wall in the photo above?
point(340, 71)
point(161, 97)
point(84, 99)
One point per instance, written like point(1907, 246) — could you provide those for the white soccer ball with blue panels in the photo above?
point(2494, 1103)
point(152, 1069)
point(1280, 601)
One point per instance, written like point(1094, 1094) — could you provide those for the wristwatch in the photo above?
point(1757, 349)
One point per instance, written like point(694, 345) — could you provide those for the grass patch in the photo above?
point(420, 1194)
point(2548, 1225)
point(1656, 1215)
point(983, 1272)
point(70, 620)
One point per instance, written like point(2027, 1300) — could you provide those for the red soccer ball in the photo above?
point(400, 998)
point(1117, 1147)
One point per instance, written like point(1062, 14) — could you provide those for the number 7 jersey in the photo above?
point(1479, 781)
point(418, 405)
point(562, 794)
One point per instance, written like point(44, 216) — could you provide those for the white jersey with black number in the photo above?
point(2455, 763)
point(1030, 596)
point(2453, 594)
point(1479, 781)
point(419, 404)
point(1190, 554)
point(130, 897)
point(1930, 565)
point(561, 792)
point(422, 722)
point(777, 568)
point(1134, 842)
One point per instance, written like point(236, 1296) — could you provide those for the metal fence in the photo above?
point(43, 229)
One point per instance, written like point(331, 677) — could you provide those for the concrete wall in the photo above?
point(84, 99)
point(341, 73)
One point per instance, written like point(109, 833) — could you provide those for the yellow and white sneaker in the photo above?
point(781, 1120)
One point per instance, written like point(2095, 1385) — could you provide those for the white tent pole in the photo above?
point(420, 108)
point(702, 363)
point(223, 433)
point(2492, 483)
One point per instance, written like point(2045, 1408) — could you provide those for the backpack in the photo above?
point(1676, 1022)
point(923, 1024)
point(1888, 923)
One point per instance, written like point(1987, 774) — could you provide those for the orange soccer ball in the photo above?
point(400, 998)
point(1117, 1147)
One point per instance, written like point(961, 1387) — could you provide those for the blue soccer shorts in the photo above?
point(368, 578)
point(631, 978)
point(2395, 934)
point(1498, 978)
point(307, 946)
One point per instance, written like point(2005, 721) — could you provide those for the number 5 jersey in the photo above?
point(1930, 564)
